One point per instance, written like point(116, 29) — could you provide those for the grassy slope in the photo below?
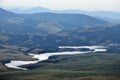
point(74, 67)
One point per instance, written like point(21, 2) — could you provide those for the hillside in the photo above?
point(43, 23)
point(109, 16)
point(47, 30)
point(39, 33)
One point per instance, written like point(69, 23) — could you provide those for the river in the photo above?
point(45, 56)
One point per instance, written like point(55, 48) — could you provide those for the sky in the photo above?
point(88, 5)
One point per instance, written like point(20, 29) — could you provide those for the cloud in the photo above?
point(1, 1)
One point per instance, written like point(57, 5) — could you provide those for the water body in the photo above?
point(45, 56)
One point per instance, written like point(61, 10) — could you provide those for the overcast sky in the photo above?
point(91, 5)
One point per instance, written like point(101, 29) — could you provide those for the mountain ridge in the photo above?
point(44, 23)
point(50, 30)
point(108, 15)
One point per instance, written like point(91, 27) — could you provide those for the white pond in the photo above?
point(45, 56)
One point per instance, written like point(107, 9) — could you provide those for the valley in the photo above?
point(58, 46)
point(91, 66)
point(45, 56)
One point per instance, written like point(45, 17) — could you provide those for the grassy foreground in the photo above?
point(94, 66)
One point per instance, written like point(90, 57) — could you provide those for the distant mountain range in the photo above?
point(105, 15)
point(50, 30)
point(44, 23)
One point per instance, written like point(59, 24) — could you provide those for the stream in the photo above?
point(45, 56)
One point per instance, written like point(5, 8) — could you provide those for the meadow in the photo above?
point(91, 66)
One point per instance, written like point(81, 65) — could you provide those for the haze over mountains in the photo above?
point(44, 22)
point(105, 15)
point(59, 40)
point(49, 30)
